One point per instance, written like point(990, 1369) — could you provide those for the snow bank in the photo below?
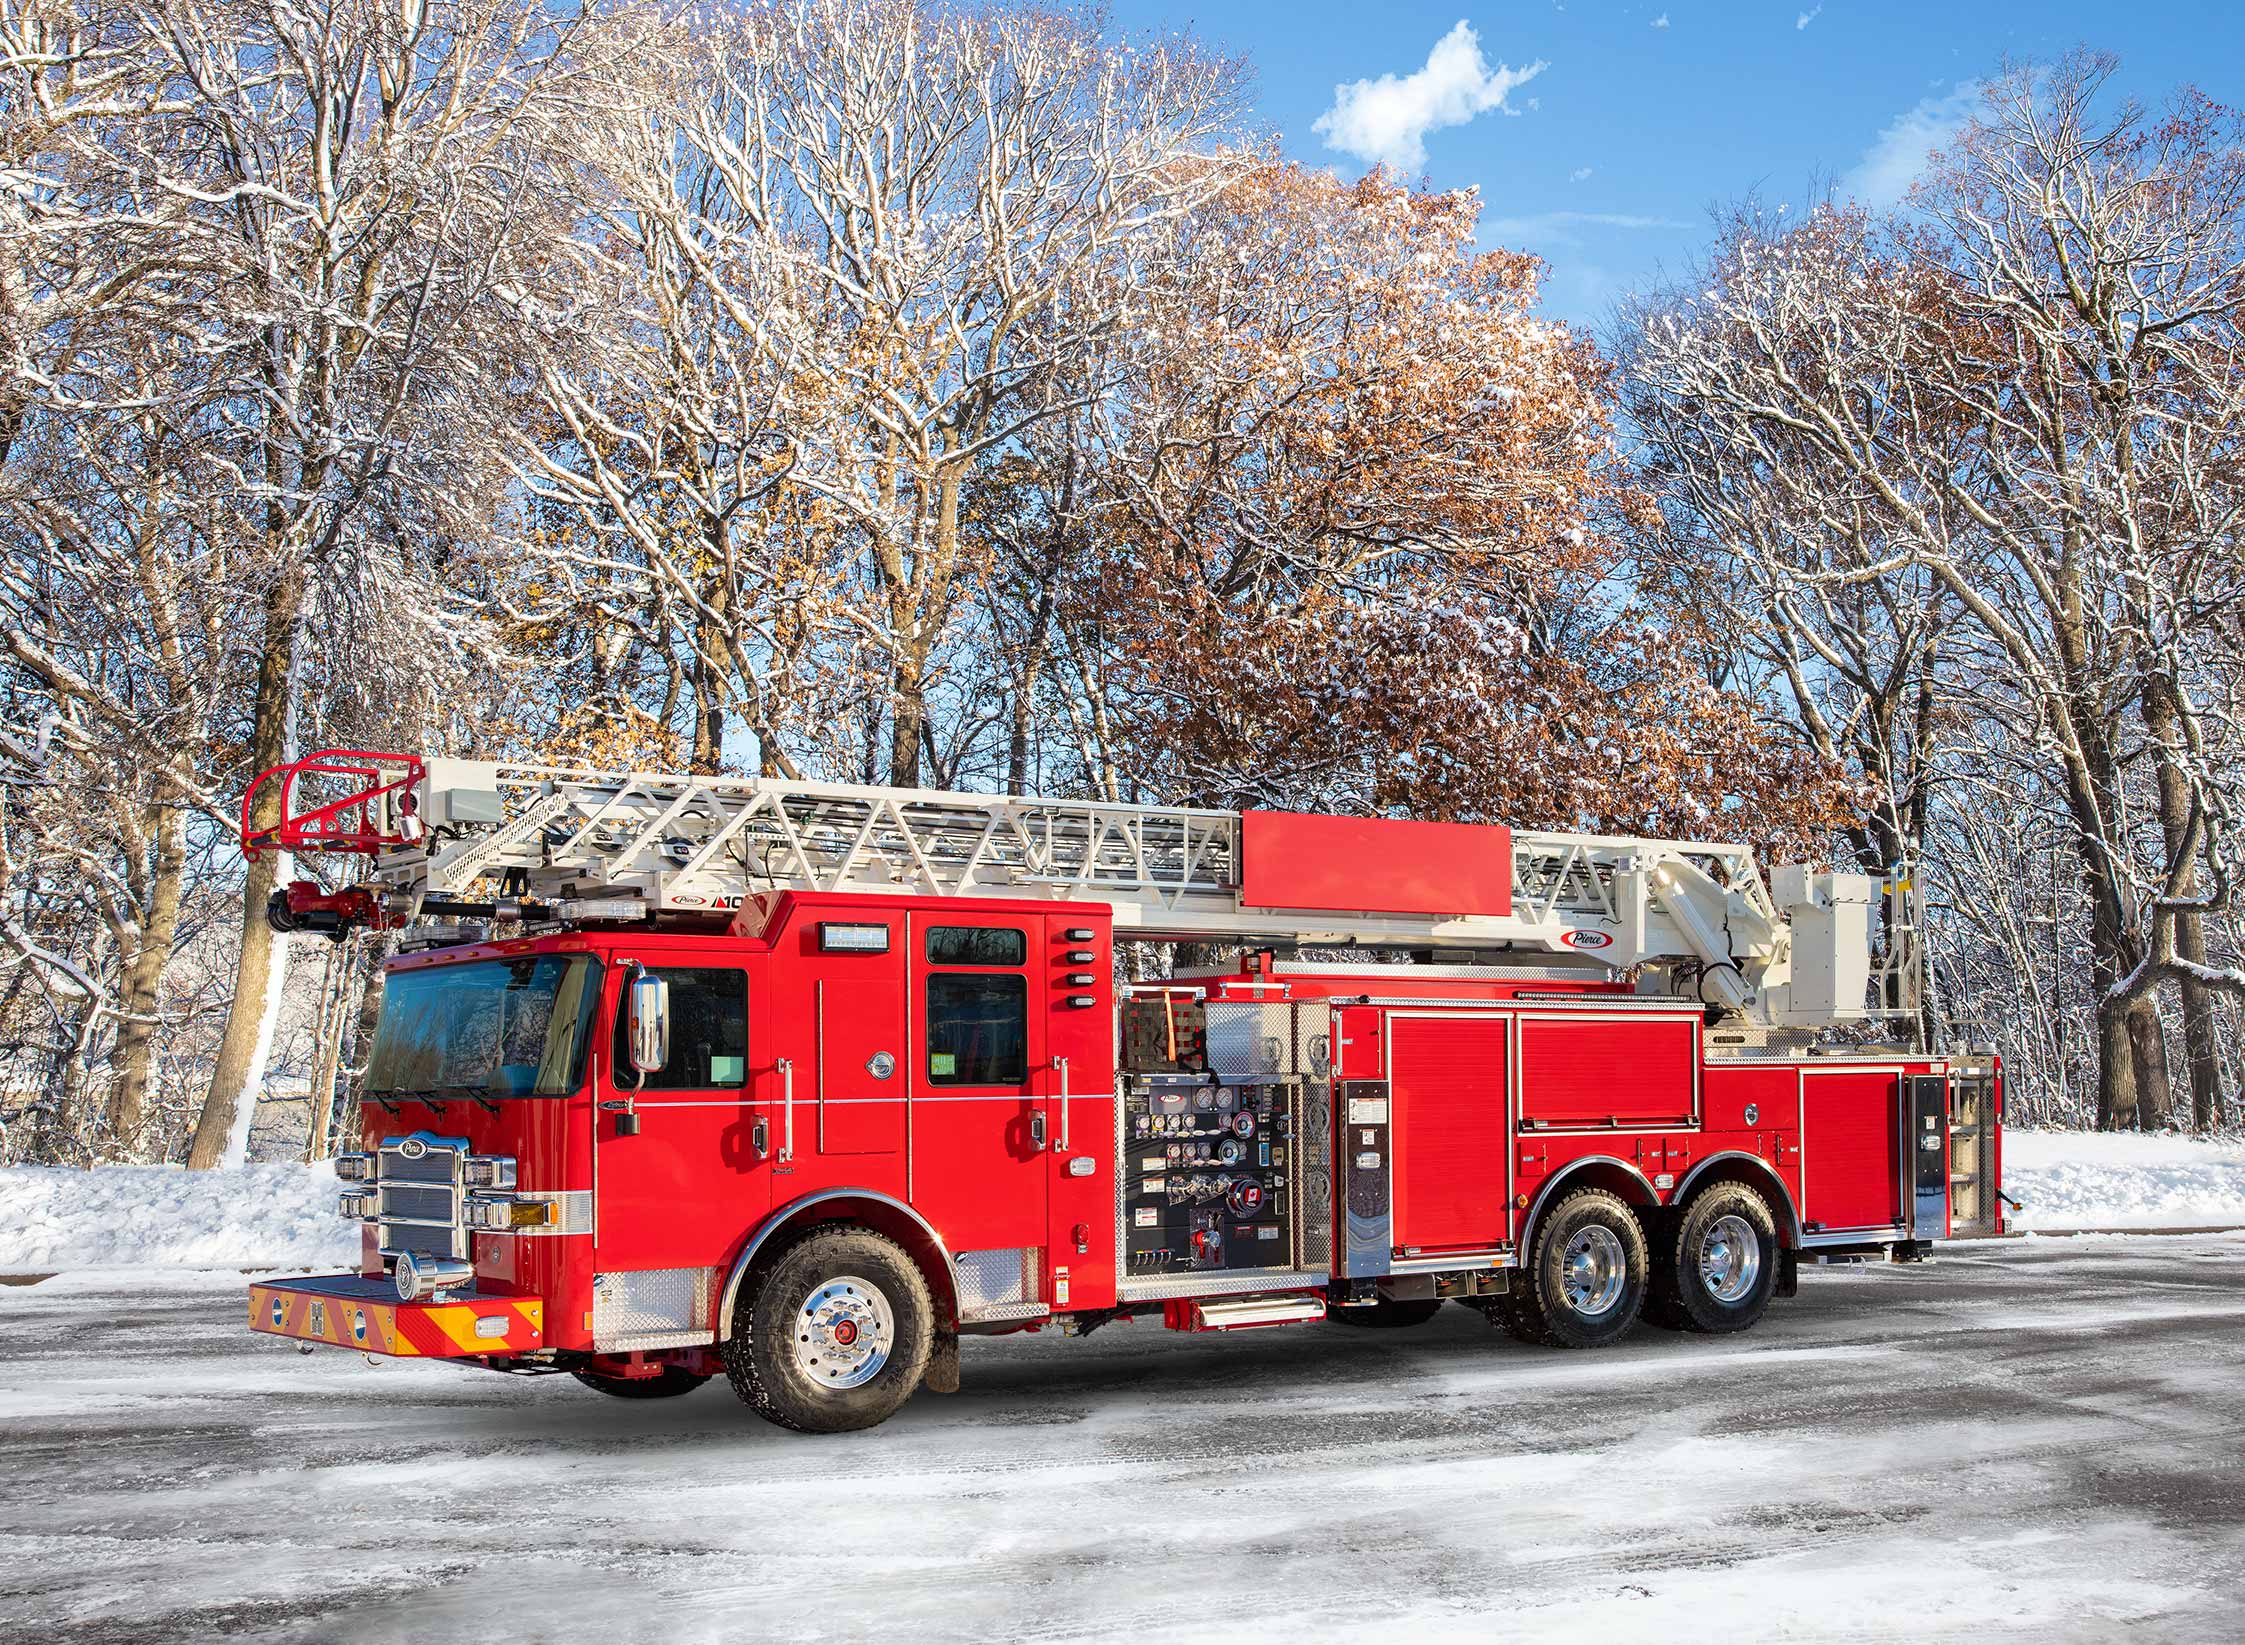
point(2088, 1179)
point(142, 1216)
point(283, 1216)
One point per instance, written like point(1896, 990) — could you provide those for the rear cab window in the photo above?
point(977, 1005)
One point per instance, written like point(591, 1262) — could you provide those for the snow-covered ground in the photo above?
point(2076, 1179)
point(2031, 1441)
point(283, 1216)
point(153, 1216)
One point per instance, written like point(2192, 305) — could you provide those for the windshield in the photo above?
point(492, 1028)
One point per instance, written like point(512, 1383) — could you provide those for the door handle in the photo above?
point(1061, 1064)
point(787, 1108)
point(1037, 1129)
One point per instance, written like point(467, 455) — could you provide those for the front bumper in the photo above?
point(351, 1311)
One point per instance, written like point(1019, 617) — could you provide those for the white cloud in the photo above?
point(1386, 120)
point(1890, 165)
point(1808, 17)
point(1560, 229)
point(1661, 21)
point(1581, 174)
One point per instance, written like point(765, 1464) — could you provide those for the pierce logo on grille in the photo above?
point(413, 1148)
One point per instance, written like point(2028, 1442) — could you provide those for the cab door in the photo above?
point(852, 1071)
point(673, 1189)
point(1075, 995)
point(980, 1130)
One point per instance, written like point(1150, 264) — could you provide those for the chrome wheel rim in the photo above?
point(1730, 1259)
point(843, 1333)
point(1592, 1271)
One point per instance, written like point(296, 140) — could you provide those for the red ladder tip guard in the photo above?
point(373, 817)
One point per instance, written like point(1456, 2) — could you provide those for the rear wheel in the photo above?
point(668, 1383)
point(1584, 1281)
point(1389, 1313)
point(834, 1334)
point(1721, 1261)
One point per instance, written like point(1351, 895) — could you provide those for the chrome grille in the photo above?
point(439, 1164)
point(420, 1197)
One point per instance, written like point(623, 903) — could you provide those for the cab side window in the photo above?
point(708, 1032)
point(978, 1020)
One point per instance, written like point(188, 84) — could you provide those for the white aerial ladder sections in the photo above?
point(550, 843)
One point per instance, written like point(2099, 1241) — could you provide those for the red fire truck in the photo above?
point(680, 1076)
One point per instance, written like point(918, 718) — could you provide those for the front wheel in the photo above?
point(1585, 1276)
point(834, 1335)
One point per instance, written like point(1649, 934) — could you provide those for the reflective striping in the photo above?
point(441, 1330)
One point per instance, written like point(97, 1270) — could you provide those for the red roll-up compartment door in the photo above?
point(1624, 1071)
point(1851, 1148)
point(1450, 1138)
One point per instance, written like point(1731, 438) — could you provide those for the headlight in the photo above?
point(498, 1215)
point(490, 1171)
point(354, 1167)
point(358, 1207)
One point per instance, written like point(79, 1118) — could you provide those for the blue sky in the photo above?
point(1606, 160)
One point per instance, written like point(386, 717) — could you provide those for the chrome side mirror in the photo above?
point(647, 1021)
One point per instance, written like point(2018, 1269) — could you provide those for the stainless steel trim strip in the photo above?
point(1460, 1263)
point(1170, 1287)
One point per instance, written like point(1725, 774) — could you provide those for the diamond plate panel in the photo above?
point(652, 1302)
point(1005, 1276)
point(1250, 1041)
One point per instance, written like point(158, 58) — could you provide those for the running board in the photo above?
point(1245, 1314)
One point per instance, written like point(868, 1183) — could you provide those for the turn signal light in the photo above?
point(506, 1216)
point(354, 1167)
point(358, 1207)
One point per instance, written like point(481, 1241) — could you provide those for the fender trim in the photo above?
point(788, 1213)
point(1784, 1194)
point(1571, 1168)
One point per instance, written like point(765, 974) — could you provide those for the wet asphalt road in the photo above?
point(2043, 1439)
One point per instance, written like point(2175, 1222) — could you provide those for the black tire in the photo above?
point(1541, 1308)
point(778, 1365)
point(1388, 1314)
point(668, 1383)
point(1687, 1288)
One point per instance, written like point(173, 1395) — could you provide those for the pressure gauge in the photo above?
point(1243, 1123)
point(1231, 1151)
point(1226, 1100)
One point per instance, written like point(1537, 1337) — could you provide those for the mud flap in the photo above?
point(942, 1374)
point(1788, 1274)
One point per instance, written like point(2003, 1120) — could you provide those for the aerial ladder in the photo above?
point(551, 845)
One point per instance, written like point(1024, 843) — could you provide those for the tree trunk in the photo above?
point(2201, 1043)
point(2147, 1044)
point(2116, 1077)
point(135, 1053)
point(264, 955)
point(2201, 1034)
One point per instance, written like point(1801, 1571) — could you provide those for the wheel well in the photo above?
point(844, 1208)
point(1617, 1177)
point(1747, 1171)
